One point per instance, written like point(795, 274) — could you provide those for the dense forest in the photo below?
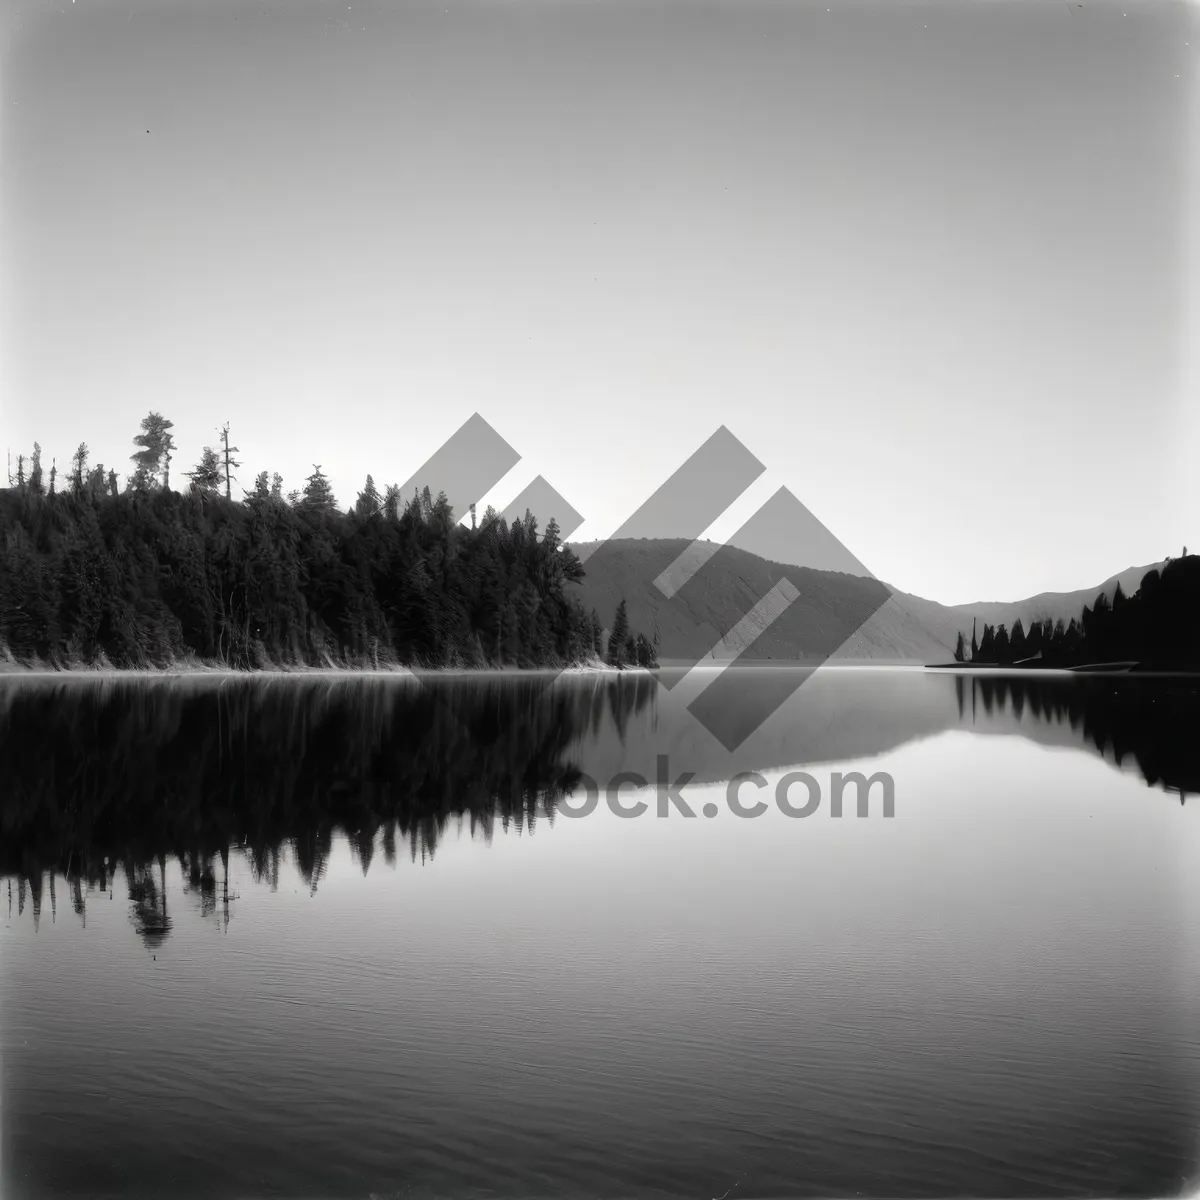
point(1157, 627)
point(143, 576)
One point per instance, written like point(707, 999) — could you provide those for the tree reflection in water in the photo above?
point(126, 774)
point(125, 777)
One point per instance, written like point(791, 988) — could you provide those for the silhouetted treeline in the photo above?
point(129, 774)
point(1158, 626)
point(147, 576)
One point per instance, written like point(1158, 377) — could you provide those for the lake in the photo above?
point(334, 936)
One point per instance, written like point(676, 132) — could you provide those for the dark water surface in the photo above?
point(328, 937)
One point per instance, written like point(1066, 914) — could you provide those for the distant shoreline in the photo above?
point(1111, 668)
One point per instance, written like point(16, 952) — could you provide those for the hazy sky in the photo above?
point(928, 262)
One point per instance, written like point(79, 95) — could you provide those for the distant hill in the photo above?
point(846, 616)
point(944, 621)
point(1056, 605)
point(722, 595)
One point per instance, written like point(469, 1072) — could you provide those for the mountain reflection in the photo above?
point(104, 778)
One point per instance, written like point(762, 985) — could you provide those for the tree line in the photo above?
point(1157, 627)
point(93, 573)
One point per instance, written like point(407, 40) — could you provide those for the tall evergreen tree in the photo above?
point(644, 652)
point(1001, 645)
point(206, 475)
point(391, 502)
point(368, 502)
point(155, 443)
point(987, 645)
point(618, 637)
point(35, 471)
point(1016, 642)
point(79, 461)
point(318, 496)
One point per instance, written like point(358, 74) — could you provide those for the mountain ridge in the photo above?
point(707, 589)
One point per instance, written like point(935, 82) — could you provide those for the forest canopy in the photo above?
point(145, 576)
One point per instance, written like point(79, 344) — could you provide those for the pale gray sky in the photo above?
point(928, 262)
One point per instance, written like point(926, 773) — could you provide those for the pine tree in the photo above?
point(1016, 642)
point(391, 502)
point(987, 645)
point(960, 648)
point(206, 475)
point(618, 637)
point(35, 471)
point(644, 651)
point(368, 502)
point(79, 468)
point(1002, 645)
point(153, 455)
point(318, 496)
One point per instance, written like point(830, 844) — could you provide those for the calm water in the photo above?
point(328, 938)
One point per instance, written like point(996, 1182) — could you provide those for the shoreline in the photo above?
point(1135, 669)
point(14, 670)
point(10, 669)
point(202, 671)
